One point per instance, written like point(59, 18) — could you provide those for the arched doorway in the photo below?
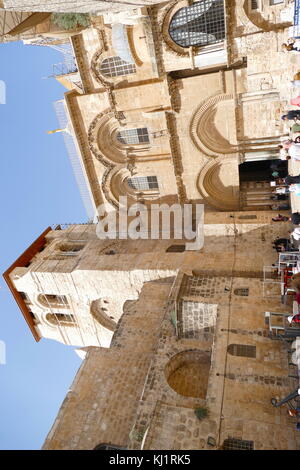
point(256, 192)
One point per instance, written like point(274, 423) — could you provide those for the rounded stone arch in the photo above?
point(258, 20)
point(212, 186)
point(137, 132)
point(203, 130)
point(97, 61)
point(98, 311)
point(102, 139)
point(58, 319)
point(116, 185)
point(187, 373)
point(51, 301)
point(171, 11)
point(97, 58)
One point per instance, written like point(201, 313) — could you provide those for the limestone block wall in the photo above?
point(157, 411)
point(240, 387)
point(250, 381)
point(258, 36)
point(111, 272)
point(220, 312)
point(110, 382)
point(79, 6)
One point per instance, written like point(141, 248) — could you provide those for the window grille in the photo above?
point(133, 136)
point(254, 4)
point(242, 350)
point(143, 183)
point(61, 319)
point(237, 444)
point(244, 292)
point(115, 66)
point(199, 24)
point(52, 300)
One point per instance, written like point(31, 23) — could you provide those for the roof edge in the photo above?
point(21, 261)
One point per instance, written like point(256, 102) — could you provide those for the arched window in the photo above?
point(242, 350)
point(115, 66)
point(143, 183)
point(133, 136)
point(61, 319)
point(50, 301)
point(199, 24)
point(71, 249)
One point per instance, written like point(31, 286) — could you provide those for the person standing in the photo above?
point(293, 150)
point(295, 218)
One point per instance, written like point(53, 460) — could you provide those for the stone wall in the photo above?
point(144, 390)
point(104, 274)
point(78, 6)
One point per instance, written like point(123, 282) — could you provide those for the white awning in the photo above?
point(211, 58)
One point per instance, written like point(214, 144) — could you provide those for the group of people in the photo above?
point(290, 148)
point(285, 184)
point(293, 242)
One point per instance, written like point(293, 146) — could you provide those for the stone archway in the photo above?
point(98, 311)
point(206, 129)
point(218, 183)
point(256, 18)
point(187, 373)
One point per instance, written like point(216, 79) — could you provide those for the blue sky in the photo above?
point(37, 189)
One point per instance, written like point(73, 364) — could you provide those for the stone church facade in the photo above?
point(162, 115)
point(169, 110)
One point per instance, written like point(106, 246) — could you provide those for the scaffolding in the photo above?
point(68, 65)
point(64, 68)
point(75, 158)
point(65, 48)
